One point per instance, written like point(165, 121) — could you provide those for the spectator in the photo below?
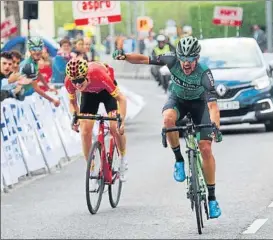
point(6, 64)
point(161, 48)
point(30, 68)
point(167, 41)
point(45, 68)
point(260, 37)
point(150, 44)
point(78, 50)
point(60, 61)
point(65, 49)
point(107, 44)
point(141, 45)
point(119, 42)
point(89, 49)
point(10, 82)
point(187, 31)
point(263, 28)
point(16, 59)
point(129, 44)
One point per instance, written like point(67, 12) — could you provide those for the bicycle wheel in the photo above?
point(196, 191)
point(94, 174)
point(114, 189)
point(202, 188)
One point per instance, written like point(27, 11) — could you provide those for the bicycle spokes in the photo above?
point(94, 179)
point(116, 186)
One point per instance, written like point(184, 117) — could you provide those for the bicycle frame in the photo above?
point(106, 171)
point(106, 157)
point(191, 144)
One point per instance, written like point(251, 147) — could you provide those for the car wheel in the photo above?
point(269, 126)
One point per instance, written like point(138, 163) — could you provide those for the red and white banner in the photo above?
point(8, 27)
point(228, 16)
point(96, 12)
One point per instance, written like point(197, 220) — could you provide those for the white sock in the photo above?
point(123, 159)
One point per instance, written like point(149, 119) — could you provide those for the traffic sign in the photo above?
point(8, 27)
point(228, 16)
point(144, 24)
point(96, 12)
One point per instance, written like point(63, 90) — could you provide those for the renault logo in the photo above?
point(221, 90)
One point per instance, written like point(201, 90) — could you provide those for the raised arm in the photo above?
point(135, 58)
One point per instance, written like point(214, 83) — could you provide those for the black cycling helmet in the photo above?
point(188, 47)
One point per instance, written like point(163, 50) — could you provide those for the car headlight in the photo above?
point(261, 83)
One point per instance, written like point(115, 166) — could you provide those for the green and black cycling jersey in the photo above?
point(198, 85)
point(30, 69)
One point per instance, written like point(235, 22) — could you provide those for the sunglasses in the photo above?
point(188, 59)
point(36, 49)
point(79, 80)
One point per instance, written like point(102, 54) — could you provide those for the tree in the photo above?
point(12, 8)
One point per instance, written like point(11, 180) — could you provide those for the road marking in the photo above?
point(255, 226)
point(271, 205)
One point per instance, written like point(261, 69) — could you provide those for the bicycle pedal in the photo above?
point(94, 191)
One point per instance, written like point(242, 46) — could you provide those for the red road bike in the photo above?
point(106, 170)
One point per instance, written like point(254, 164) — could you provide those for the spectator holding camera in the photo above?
point(29, 68)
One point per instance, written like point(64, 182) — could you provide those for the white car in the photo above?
point(243, 80)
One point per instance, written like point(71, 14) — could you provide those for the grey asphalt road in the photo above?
point(152, 205)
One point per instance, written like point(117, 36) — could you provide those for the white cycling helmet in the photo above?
point(161, 38)
point(188, 47)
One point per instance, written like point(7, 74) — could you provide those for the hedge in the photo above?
point(253, 13)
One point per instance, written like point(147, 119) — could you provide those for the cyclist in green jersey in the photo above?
point(191, 90)
point(29, 68)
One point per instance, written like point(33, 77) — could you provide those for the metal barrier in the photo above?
point(37, 137)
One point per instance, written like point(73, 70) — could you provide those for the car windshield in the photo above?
point(222, 54)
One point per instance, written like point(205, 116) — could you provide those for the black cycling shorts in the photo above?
point(198, 109)
point(90, 102)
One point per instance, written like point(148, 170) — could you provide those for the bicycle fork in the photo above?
point(189, 180)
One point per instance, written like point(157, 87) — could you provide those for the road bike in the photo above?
point(106, 171)
point(196, 184)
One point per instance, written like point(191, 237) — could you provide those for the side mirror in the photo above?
point(270, 69)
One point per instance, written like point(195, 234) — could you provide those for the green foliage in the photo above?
point(183, 12)
point(161, 11)
point(253, 13)
point(63, 13)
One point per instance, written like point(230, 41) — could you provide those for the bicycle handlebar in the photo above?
point(197, 127)
point(189, 126)
point(96, 117)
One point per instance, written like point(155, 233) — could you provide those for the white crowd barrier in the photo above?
point(35, 135)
